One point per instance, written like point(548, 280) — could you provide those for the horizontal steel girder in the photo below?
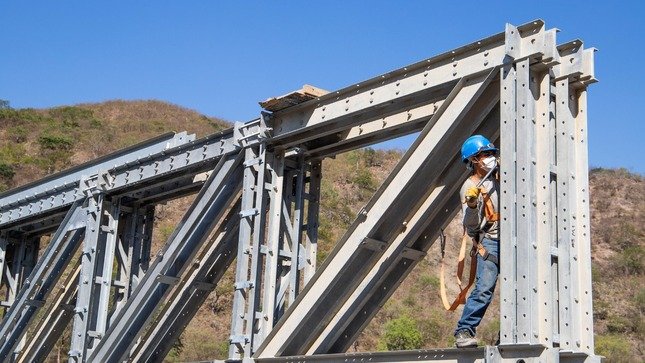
point(487, 354)
point(62, 189)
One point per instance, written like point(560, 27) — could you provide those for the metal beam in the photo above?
point(62, 189)
point(336, 110)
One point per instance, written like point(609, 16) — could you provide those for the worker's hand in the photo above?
point(471, 196)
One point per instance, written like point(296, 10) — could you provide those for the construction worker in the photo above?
point(480, 199)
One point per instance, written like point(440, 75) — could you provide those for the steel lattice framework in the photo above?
point(258, 187)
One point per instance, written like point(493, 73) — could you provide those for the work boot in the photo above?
point(463, 339)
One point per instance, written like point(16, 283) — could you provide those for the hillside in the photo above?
point(35, 143)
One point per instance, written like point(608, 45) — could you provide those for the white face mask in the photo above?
point(489, 163)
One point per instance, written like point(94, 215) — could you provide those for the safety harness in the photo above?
point(490, 216)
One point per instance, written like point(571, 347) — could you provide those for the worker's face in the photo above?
point(478, 158)
point(484, 160)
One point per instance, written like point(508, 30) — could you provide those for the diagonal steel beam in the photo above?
point(382, 219)
point(406, 250)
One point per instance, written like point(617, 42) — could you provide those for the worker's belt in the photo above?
point(484, 253)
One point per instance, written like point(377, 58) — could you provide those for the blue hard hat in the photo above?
point(474, 145)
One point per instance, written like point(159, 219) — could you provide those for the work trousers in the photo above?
point(482, 294)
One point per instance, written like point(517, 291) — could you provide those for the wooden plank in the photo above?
point(306, 93)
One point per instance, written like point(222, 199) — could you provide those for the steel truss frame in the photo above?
point(258, 199)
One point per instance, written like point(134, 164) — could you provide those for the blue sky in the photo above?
point(222, 57)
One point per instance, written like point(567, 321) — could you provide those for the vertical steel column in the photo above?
point(565, 191)
point(3, 264)
point(508, 305)
point(313, 206)
point(295, 232)
point(553, 188)
point(244, 323)
point(525, 189)
point(19, 249)
point(102, 280)
point(583, 227)
point(542, 290)
point(18, 276)
point(89, 257)
point(275, 170)
point(574, 252)
point(123, 254)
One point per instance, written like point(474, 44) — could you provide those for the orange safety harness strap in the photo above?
point(489, 210)
point(461, 297)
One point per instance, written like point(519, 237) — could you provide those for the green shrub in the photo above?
point(6, 171)
point(96, 124)
point(371, 157)
point(401, 334)
point(365, 180)
point(618, 324)
point(630, 260)
point(18, 134)
point(600, 309)
point(4, 105)
point(55, 142)
point(435, 329)
point(639, 299)
point(614, 347)
point(221, 351)
point(70, 115)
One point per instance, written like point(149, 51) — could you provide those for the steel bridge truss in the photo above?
point(258, 193)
